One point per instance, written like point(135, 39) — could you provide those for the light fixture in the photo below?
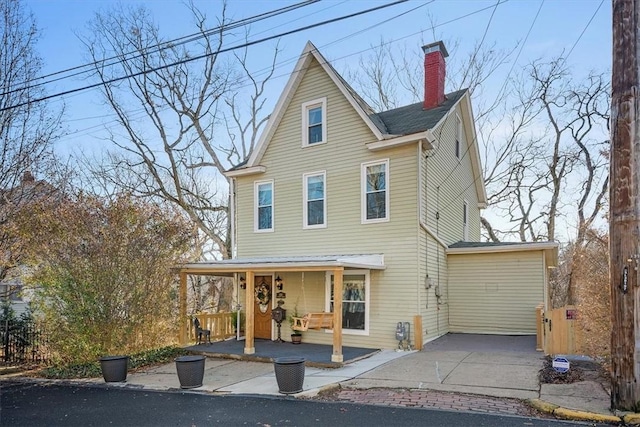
point(279, 283)
point(243, 284)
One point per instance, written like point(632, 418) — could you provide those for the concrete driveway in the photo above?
point(501, 366)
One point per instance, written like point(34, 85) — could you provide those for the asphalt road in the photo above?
point(34, 403)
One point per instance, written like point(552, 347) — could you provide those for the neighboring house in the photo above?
point(11, 270)
point(385, 206)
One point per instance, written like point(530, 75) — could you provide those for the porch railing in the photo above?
point(220, 324)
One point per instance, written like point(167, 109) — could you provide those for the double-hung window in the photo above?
point(314, 122)
point(315, 200)
point(263, 211)
point(355, 301)
point(375, 191)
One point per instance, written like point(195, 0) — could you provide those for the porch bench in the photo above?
point(322, 320)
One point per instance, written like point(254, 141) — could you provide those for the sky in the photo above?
point(545, 29)
point(561, 26)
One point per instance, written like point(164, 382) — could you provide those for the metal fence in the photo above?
point(23, 342)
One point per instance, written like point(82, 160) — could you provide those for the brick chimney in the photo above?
point(434, 73)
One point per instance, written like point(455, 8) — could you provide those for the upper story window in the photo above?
point(458, 136)
point(375, 191)
point(314, 122)
point(315, 201)
point(263, 211)
point(355, 300)
point(465, 221)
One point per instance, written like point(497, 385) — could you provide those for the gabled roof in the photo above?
point(413, 118)
point(399, 126)
point(309, 53)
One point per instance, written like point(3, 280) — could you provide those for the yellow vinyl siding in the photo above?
point(495, 292)
point(393, 291)
point(450, 181)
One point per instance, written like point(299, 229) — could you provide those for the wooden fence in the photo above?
point(557, 330)
point(220, 324)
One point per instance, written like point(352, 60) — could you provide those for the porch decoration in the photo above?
point(289, 374)
point(190, 371)
point(114, 368)
point(323, 320)
point(263, 296)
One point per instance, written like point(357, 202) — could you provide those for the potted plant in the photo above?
point(296, 336)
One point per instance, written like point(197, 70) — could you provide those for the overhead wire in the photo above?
point(202, 56)
point(476, 138)
point(293, 59)
point(155, 48)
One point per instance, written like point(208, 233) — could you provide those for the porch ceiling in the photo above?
point(293, 263)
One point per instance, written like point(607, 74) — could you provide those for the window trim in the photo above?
point(306, 106)
point(465, 221)
point(458, 136)
point(363, 192)
point(305, 199)
point(367, 304)
point(256, 211)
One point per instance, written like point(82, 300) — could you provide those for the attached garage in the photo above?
point(494, 288)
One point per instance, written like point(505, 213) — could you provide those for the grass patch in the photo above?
point(92, 369)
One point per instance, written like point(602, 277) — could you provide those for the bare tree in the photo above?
point(27, 131)
point(169, 143)
point(557, 160)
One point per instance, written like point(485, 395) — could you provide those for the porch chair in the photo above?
point(200, 332)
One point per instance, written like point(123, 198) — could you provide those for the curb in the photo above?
point(571, 414)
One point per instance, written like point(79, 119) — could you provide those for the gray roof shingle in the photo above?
point(413, 118)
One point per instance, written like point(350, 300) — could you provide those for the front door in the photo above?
point(262, 307)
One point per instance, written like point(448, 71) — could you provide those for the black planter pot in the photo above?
point(289, 374)
point(114, 368)
point(296, 338)
point(190, 371)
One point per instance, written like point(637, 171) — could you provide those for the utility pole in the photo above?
point(624, 225)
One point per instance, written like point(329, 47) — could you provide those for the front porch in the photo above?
point(254, 288)
point(315, 355)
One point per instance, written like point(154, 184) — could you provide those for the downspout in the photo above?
point(418, 300)
point(232, 216)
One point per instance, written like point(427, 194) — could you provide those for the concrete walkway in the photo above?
point(493, 374)
point(227, 376)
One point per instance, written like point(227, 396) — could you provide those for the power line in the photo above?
point(196, 58)
point(584, 30)
point(293, 59)
point(157, 47)
point(475, 139)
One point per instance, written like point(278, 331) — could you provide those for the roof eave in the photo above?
point(550, 250)
point(392, 141)
point(245, 171)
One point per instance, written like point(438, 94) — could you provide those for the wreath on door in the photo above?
point(263, 294)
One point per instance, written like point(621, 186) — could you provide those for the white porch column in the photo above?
point(337, 317)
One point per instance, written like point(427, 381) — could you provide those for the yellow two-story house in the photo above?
point(373, 219)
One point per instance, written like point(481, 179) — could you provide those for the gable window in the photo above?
point(355, 301)
point(458, 135)
point(465, 221)
point(314, 122)
point(315, 202)
point(263, 212)
point(375, 192)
